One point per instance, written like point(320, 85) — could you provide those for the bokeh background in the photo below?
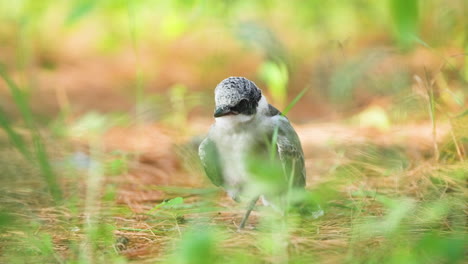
point(103, 103)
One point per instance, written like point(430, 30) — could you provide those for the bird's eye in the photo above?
point(241, 108)
point(242, 105)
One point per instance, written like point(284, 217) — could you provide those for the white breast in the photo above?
point(234, 135)
point(233, 148)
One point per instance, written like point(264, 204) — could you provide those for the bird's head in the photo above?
point(237, 98)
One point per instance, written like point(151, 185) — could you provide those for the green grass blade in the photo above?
point(46, 168)
point(18, 97)
point(294, 101)
point(40, 152)
point(274, 140)
point(14, 137)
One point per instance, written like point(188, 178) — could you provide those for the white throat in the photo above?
point(262, 107)
point(231, 121)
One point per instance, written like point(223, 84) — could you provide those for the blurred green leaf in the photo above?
point(198, 246)
point(444, 249)
point(101, 234)
point(170, 204)
point(267, 174)
point(116, 166)
point(405, 16)
point(110, 193)
point(5, 219)
point(80, 10)
point(276, 76)
point(173, 203)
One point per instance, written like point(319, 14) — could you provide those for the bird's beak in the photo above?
point(222, 111)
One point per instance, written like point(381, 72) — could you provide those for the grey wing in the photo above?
point(290, 153)
point(209, 157)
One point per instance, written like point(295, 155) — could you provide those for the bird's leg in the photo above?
point(249, 209)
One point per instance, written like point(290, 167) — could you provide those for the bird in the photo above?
point(251, 150)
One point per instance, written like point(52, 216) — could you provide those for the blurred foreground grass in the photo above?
point(383, 204)
point(102, 102)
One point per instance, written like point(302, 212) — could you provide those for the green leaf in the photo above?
point(197, 246)
point(80, 10)
point(405, 15)
point(276, 75)
point(116, 166)
point(172, 203)
point(169, 204)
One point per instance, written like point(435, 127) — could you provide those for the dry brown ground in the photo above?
point(159, 161)
point(158, 164)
